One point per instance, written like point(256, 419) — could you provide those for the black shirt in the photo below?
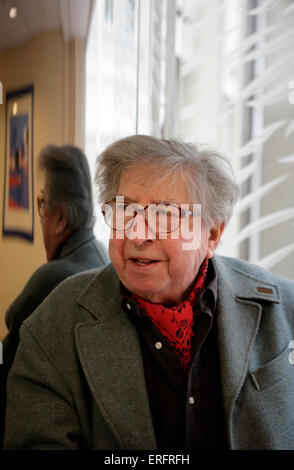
point(187, 410)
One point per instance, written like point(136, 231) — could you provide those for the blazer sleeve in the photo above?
point(40, 413)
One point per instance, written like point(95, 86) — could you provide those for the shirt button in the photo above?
point(158, 345)
point(191, 400)
point(129, 307)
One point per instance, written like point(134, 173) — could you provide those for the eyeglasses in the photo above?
point(161, 218)
point(41, 205)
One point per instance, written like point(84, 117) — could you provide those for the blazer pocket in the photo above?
point(273, 371)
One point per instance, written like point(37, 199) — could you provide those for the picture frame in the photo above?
point(18, 201)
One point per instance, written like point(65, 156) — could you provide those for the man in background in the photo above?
point(65, 206)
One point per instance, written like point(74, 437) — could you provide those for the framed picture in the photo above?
point(18, 202)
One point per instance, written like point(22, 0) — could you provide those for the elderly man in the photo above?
point(66, 213)
point(169, 346)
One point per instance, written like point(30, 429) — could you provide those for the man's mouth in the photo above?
point(143, 262)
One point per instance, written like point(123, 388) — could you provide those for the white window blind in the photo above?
point(218, 72)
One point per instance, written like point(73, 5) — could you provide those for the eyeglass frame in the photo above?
point(182, 214)
point(41, 205)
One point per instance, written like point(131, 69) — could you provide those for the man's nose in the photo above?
point(140, 231)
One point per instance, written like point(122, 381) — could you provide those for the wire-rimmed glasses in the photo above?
point(161, 218)
point(41, 205)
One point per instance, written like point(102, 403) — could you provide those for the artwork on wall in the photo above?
point(18, 207)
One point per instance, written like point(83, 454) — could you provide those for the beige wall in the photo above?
point(46, 62)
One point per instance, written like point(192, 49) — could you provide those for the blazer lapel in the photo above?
point(110, 354)
point(239, 312)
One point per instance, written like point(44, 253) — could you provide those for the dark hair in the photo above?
point(68, 183)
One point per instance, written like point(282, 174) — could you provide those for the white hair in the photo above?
point(206, 173)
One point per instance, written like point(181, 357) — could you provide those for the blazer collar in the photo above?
point(102, 296)
point(243, 285)
point(233, 282)
point(77, 239)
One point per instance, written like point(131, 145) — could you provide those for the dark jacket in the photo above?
point(78, 378)
point(79, 253)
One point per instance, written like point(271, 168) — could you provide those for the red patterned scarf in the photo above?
point(176, 322)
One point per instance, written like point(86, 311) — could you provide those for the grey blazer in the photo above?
point(78, 380)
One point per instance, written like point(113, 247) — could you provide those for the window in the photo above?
point(218, 72)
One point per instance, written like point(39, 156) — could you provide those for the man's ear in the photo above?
point(60, 222)
point(214, 239)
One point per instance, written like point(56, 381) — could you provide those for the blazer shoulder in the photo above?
point(39, 285)
point(87, 255)
point(63, 299)
point(54, 321)
point(251, 269)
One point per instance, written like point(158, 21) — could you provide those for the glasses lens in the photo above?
point(161, 218)
point(41, 205)
point(167, 218)
point(119, 216)
point(107, 211)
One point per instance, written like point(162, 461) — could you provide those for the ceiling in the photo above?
point(37, 16)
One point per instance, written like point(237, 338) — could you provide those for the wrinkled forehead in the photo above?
point(152, 183)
